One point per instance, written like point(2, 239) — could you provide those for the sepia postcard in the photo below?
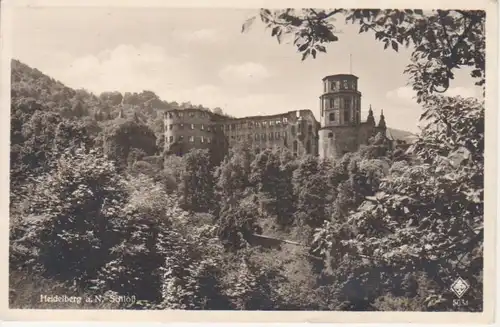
point(249, 161)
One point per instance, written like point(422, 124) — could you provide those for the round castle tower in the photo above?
point(340, 115)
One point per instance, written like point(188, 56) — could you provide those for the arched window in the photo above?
point(332, 116)
point(330, 135)
point(308, 147)
point(295, 146)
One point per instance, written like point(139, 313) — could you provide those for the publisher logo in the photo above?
point(460, 287)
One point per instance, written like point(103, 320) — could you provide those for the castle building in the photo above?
point(340, 129)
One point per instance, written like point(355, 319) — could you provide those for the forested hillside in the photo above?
point(98, 209)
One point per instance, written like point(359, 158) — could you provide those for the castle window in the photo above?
point(232, 127)
point(191, 114)
point(181, 114)
point(263, 136)
point(330, 135)
point(293, 130)
point(227, 127)
point(284, 134)
point(295, 146)
point(346, 84)
point(181, 138)
point(277, 135)
point(264, 123)
point(202, 140)
point(271, 136)
point(308, 147)
point(337, 85)
point(271, 123)
point(346, 116)
point(332, 103)
point(333, 86)
point(256, 137)
point(208, 128)
point(347, 103)
point(285, 120)
point(336, 103)
point(354, 85)
point(169, 115)
point(202, 127)
point(192, 126)
point(170, 127)
point(171, 139)
point(191, 139)
point(332, 116)
point(310, 129)
point(209, 140)
point(181, 126)
point(278, 122)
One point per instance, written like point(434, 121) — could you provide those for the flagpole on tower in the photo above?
point(350, 63)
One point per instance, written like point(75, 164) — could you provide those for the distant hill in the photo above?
point(398, 134)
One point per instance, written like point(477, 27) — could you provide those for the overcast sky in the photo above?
point(201, 56)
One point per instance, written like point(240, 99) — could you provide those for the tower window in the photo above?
point(202, 127)
point(295, 146)
point(191, 139)
point(332, 116)
point(330, 135)
point(333, 86)
point(308, 147)
point(332, 103)
point(310, 129)
point(192, 126)
point(181, 126)
point(171, 139)
point(293, 130)
point(346, 116)
point(336, 103)
point(347, 103)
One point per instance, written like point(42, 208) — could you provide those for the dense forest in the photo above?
point(97, 208)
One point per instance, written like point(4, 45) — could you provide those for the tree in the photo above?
point(196, 187)
point(123, 136)
point(233, 174)
point(442, 40)
point(218, 111)
point(66, 235)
